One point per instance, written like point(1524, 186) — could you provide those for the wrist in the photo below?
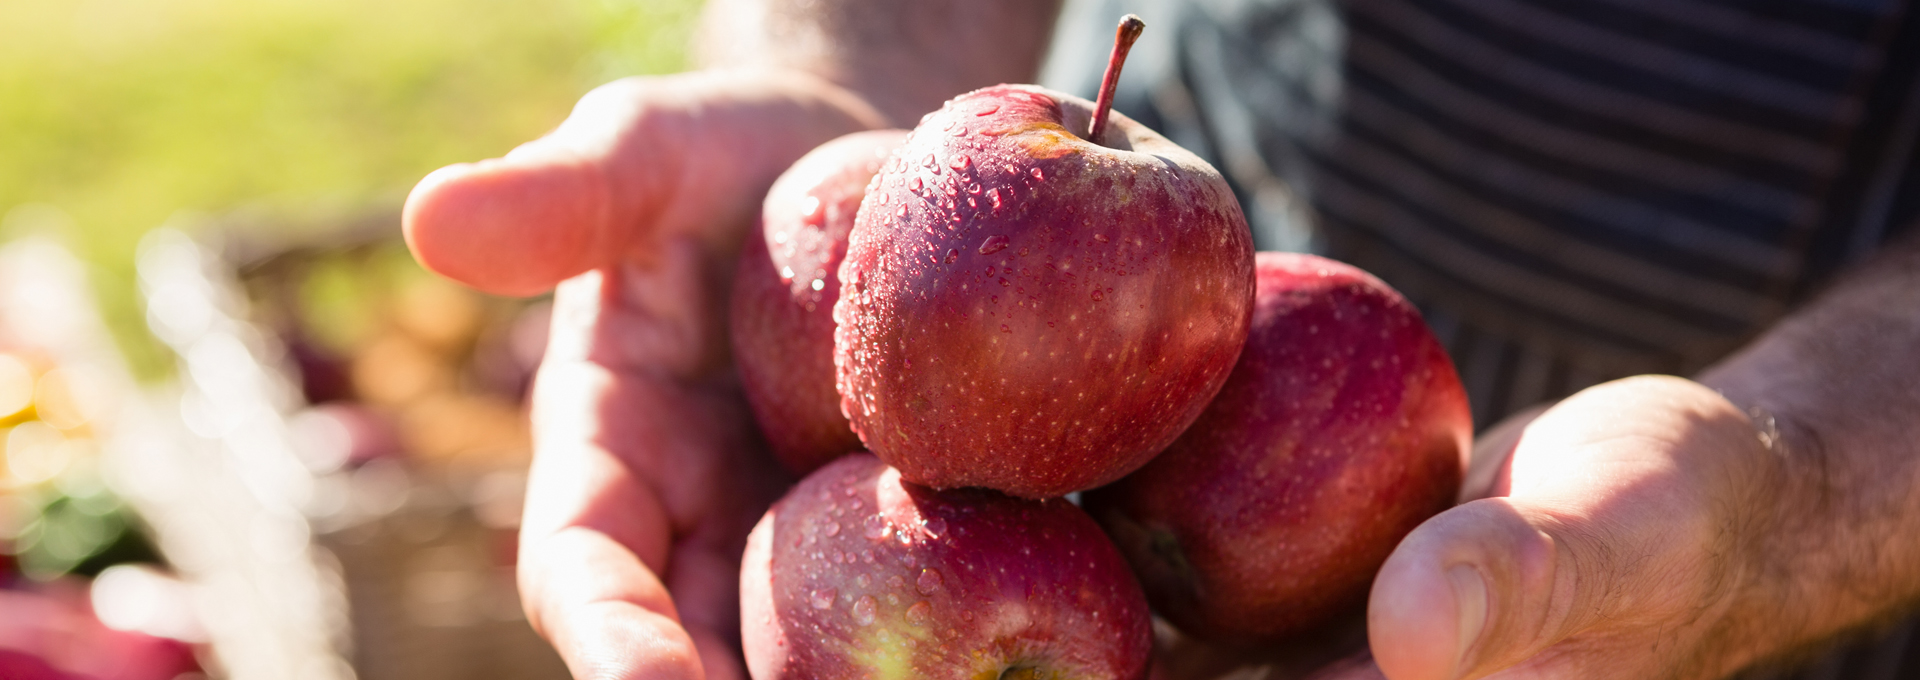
point(902, 58)
point(1829, 555)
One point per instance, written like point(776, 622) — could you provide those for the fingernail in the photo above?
point(1470, 597)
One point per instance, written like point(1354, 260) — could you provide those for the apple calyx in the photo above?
point(1123, 37)
point(1023, 673)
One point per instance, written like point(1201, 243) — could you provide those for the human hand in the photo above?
point(647, 472)
point(1632, 530)
point(641, 161)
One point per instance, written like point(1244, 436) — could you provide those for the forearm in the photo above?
point(904, 58)
point(1840, 380)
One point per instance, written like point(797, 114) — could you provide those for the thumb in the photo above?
point(512, 226)
point(1616, 555)
point(638, 159)
point(1469, 590)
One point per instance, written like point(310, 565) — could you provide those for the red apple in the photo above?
point(1343, 426)
point(783, 296)
point(1032, 310)
point(857, 574)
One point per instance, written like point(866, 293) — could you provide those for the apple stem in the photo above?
point(1123, 37)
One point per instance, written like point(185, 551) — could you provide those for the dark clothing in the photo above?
point(1571, 190)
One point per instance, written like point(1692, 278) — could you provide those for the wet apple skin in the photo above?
point(858, 574)
point(1027, 311)
point(1343, 426)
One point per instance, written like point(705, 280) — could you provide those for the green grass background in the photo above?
point(119, 116)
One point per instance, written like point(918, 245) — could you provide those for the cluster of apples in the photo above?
point(1029, 296)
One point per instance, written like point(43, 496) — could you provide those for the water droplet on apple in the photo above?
point(914, 185)
point(994, 244)
point(987, 110)
point(935, 527)
point(1005, 329)
point(960, 131)
point(1039, 176)
point(929, 581)
point(903, 210)
point(875, 528)
point(1098, 296)
point(952, 254)
point(994, 195)
point(1011, 170)
point(823, 598)
point(833, 529)
point(930, 162)
point(973, 188)
point(919, 613)
point(863, 581)
point(962, 161)
point(863, 610)
point(1100, 237)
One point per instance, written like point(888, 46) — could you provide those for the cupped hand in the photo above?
point(648, 472)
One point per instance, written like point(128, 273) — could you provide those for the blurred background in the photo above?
point(242, 435)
